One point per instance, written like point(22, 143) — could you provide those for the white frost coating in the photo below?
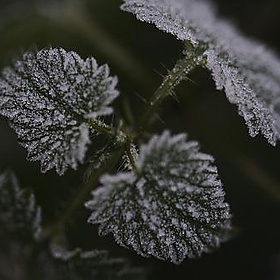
point(49, 96)
point(246, 70)
point(162, 213)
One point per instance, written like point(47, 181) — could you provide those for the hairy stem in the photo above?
point(180, 71)
point(102, 128)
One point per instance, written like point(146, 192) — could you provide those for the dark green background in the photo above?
point(248, 167)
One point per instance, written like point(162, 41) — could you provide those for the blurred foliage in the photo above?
point(139, 54)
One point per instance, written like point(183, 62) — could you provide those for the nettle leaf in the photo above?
point(50, 98)
point(19, 212)
point(172, 207)
point(96, 264)
point(247, 71)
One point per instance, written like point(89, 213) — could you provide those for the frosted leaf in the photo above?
point(18, 209)
point(254, 93)
point(172, 208)
point(97, 264)
point(59, 249)
point(92, 264)
point(50, 97)
point(247, 71)
point(181, 18)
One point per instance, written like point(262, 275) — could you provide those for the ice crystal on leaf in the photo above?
point(248, 72)
point(171, 207)
point(50, 97)
point(18, 210)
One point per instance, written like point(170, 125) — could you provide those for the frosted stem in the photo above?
point(182, 68)
point(102, 127)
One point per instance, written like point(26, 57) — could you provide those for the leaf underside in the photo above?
point(171, 209)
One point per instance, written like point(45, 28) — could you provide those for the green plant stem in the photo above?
point(180, 71)
point(102, 127)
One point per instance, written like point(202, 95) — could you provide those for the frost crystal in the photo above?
point(172, 207)
point(18, 210)
point(50, 97)
point(247, 71)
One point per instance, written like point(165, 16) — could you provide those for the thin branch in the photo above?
point(102, 127)
point(182, 68)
